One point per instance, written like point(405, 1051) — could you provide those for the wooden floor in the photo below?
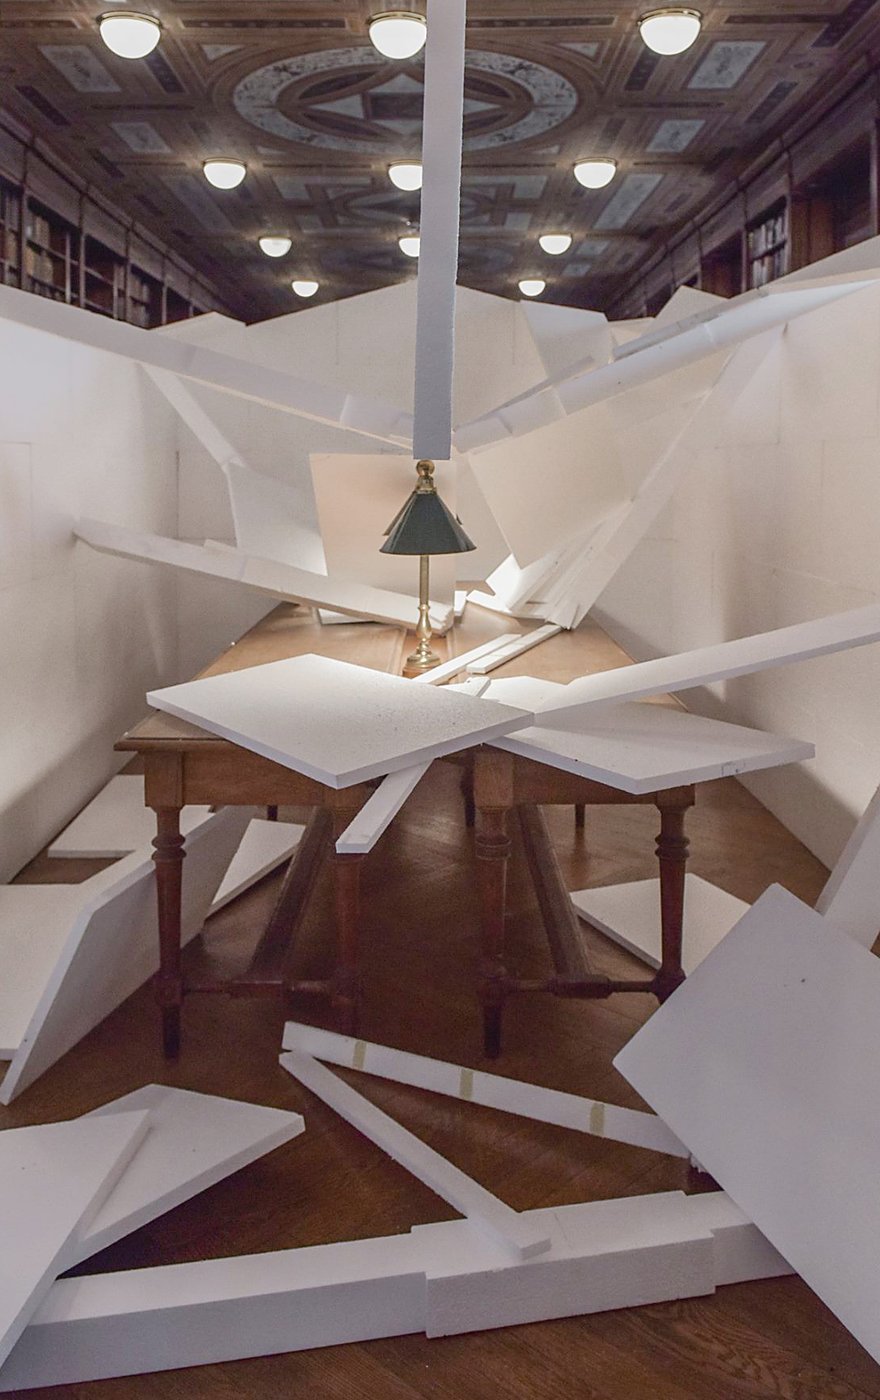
point(770, 1339)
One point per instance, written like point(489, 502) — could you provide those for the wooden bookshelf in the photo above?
point(767, 252)
point(10, 234)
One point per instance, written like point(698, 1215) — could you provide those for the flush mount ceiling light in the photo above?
point(275, 245)
point(397, 33)
point(224, 172)
point(304, 286)
point(406, 174)
point(409, 243)
point(670, 31)
point(596, 172)
point(129, 33)
point(532, 286)
point(555, 243)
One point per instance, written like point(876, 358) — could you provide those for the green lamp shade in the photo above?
point(425, 525)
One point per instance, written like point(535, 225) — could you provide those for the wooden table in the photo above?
point(184, 764)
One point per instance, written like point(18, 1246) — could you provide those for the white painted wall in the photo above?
point(777, 523)
point(82, 635)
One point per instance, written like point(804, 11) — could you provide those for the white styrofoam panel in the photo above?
point(492, 1090)
point(337, 723)
point(546, 487)
point(194, 1140)
point(473, 511)
point(655, 1248)
point(629, 914)
point(379, 811)
point(778, 1103)
point(34, 922)
point(643, 748)
point(357, 497)
point(685, 302)
point(517, 1234)
point(112, 945)
point(826, 390)
point(463, 661)
point(55, 1177)
point(668, 674)
point(567, 335)
point(266, 575)
point(851, 895)
point(264, 846)
point(16, 513)
point(266, 513)
point(511, 649)
point(117, 822)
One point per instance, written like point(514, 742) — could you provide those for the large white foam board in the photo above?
point(55, 1178)
point(641, 748)
point(264, 846)
point(492, 1090)
point(766, 1063)
point(516, 1233)
point(667, 674)
point(116, 822)
point(265, 575)
point(112, 945)
point(851, 896)
point(194, 1140)
point(337, 723)
point(266, 515)
point(567, 335)
point(437, 1279)
point(34, 922)
point(629, 914)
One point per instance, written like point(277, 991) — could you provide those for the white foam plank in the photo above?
point(439, 218)
point(514, 1231)
point(629, 914)
point(112, 946)
point(197, 419)
point(779, 1103)
point(55, 1178)
point(265, 575)
point(117, 822)
point(641, 748)
point(34, 922)
point(337, 723)
point(264, 846)
point(851, 896)
point(511, 650)
point(194, 1141)
point(242, 378)
point(491, 1090)
point(855, 628)
point(379, 811)
point(462, 662)
point(653, 1248)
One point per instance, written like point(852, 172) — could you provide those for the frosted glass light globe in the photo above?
point(670, 31)
point(409, 243)
point(304, 286)
point(532, 286)
point(406, 174)
point(595, 173)
point(397, 33)
point(224, 173)
point(555, 243)
point(128, 33)
point(275, 245)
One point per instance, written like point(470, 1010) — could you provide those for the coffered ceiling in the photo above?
point(298, 92)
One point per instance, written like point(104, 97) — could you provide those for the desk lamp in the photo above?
point(425, 526)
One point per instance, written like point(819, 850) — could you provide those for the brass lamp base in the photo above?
point(422, 659)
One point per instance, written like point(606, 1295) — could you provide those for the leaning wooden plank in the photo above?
point(111, 946)
point(491, 1090)
point(264, 846)
point(766, 1063)
point(485, 664)
point(655, 354)
point(194, 1141)
point(463, 662)
point(438, 255)
point(337, 723)
point(265, 575)
point(667, 674)
point(513, 1230)
point(116, 822)
point(606, 1254)
point(55, 1178)
point(851, 897)
point(244, 379)
point(378, 812)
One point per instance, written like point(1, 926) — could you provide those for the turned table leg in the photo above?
point(672, 850)
point(168, 854)
point(493, 798)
